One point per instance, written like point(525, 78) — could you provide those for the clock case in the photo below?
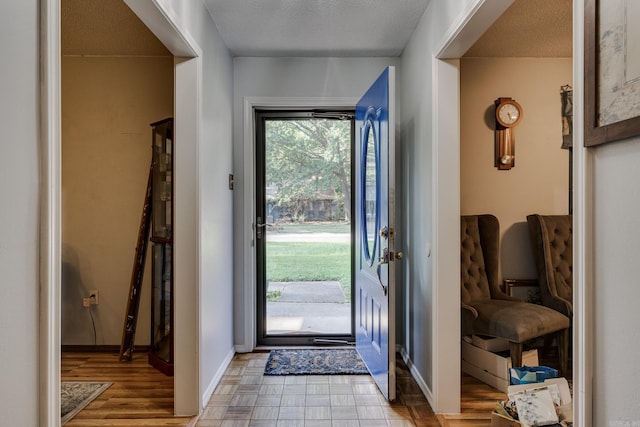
point(504, 141)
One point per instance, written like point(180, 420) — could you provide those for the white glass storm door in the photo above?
point(374, 228)
point(304, 227)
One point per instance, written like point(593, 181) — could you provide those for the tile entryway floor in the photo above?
point(246, 398)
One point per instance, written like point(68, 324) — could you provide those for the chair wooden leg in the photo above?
point(563, 351)
point(548, 344)
point(515, 349)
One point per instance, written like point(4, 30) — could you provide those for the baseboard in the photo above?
point(417, 377)
point(243, 348)
point(100, 348)
point(217, 377)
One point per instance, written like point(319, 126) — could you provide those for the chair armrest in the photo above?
point(468, 316)
point(562, 305)
point(472, 310)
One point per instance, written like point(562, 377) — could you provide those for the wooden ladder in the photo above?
point(133, 304)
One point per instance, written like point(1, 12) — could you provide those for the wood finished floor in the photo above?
point(139, 396)
point(142, 396)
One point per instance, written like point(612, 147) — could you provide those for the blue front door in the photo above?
point(374, 285)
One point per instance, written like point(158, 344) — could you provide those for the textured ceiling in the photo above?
point(529, 28)
point(316, 27)
point(105, 27)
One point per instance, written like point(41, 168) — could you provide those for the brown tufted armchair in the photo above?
point(552, 244)
point(486, 310)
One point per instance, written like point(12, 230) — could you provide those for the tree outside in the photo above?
point(308, 169)
point(308, 206)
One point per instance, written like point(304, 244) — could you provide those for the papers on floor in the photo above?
point(532, 405)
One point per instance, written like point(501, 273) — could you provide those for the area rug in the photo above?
point(74, 396)
point(315, 362)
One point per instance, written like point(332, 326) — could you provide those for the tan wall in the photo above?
point(540, 179)
point(107, 106)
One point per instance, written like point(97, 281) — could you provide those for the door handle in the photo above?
point(389, 256)
point(259, 225)
point(384, 288)
point(384, 259)
point(384, 232)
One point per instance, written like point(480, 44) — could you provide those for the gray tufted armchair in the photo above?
point(486, 310)
point(552, 244)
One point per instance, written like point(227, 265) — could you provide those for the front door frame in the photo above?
point(248, 280)
point(292, 339)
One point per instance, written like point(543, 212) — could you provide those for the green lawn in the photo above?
point(304, 261)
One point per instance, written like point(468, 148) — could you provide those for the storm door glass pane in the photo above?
point(307, 227)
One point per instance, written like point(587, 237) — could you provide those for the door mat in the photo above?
point(315, 362)
point(74, 396)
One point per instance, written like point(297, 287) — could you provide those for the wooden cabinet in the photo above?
point(161, 348)
point(525, 289)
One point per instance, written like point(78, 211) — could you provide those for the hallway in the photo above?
point(245, 397)
point(142, 396)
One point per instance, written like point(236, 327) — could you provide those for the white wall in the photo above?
point(416, 100)
point(616, 245)
point(281, 78)
point(19, 213)
point(215, 163)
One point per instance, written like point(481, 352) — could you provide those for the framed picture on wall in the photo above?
point(612, 71)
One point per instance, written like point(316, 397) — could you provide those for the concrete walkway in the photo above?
point(308, 307)
point(308, 237)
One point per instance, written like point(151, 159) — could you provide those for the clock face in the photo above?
point(508, 114)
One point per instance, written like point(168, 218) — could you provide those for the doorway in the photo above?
point(482, 185)
point(187, 87)
point(304, 228)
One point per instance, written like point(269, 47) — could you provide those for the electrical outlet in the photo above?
point(93, 296)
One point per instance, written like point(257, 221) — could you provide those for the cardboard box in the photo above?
point(498, 420)
point(492, 368)
point(490, 343)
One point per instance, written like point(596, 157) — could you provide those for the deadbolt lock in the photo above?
point(386, 233)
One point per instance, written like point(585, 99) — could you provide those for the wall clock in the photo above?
point(508, 115)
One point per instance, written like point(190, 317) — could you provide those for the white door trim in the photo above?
point(50, 271)
point(164, 23)
point(180, 43)
point(446, 192)
point(479, 17)
point(583, 218)
point(248, 281)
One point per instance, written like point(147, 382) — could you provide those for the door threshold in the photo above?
point(301, 347)
point(333, 342)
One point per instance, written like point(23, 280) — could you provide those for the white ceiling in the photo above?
point(316, 27)
point(529, 28)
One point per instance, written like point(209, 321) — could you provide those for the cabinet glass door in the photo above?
point(161, 348)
